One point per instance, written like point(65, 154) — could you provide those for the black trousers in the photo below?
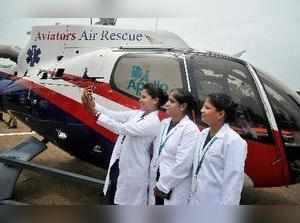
point(1, 108)
point(159, 200)
point(112, 187)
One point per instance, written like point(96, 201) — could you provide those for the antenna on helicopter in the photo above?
point(106, 21)
point(87, 77)
point(85, 72)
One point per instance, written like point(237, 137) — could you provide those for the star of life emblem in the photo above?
point(33, 55)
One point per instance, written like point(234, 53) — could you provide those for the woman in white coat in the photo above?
point(127, 179)
point(219, 158)
point(171, 165)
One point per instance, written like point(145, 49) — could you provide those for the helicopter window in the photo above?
point(132, 71)
point(286, 108)
point(211, 75)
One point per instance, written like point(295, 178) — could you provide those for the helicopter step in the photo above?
point(13, 161)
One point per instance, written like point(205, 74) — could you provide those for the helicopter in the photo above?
point(44, 91)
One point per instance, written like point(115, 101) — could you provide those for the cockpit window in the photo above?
point(211, 75)
point(132, 71)
point(286, 108)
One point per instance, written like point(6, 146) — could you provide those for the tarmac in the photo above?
point(36, 189)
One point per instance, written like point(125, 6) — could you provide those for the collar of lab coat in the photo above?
point(153, 113)
point(180, 124)
point(183, 120)
point(221, 132)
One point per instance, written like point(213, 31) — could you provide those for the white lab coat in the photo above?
point(133, 153)
point(174, 162)
point(221, 176)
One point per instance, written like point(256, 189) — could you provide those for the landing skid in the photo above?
point(13, 161)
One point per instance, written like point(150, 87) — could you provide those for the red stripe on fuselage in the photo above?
point(68, 105)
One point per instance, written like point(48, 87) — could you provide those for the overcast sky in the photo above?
point(269, 32)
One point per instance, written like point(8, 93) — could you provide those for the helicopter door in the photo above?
point(210, 74)
point(286, 107)
point(132, 71)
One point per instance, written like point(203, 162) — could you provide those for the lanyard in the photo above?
point(142, 117)
point(203, 156)
point(163, 143)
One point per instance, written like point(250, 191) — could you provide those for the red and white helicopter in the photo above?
point(45, 86)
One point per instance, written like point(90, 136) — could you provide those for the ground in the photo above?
point(37, 189)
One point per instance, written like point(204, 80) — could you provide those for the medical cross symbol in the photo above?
point(33, 55)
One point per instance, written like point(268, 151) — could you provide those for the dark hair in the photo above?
point(156, 92)
point(183, 96)
point(223, 102)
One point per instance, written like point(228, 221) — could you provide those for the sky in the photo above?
point(268, 30)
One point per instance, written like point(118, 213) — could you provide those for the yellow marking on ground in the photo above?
point(17, 133)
